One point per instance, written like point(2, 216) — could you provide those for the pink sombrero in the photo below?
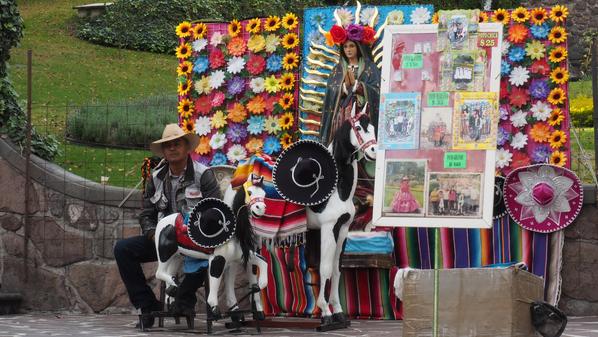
point(543, 198)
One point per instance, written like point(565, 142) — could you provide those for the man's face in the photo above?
point(176, 150)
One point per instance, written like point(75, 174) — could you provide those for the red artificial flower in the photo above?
point(255, 64)
point(216, 58)
point(338, 33)
point(217, 98)
point(368, 34)
point(270, 101)
point(504, 89)
point(203, 105)
point(518, 97)
point(519, 159)
point(540, 67)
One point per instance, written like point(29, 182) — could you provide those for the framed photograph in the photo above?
point(458, 29)
point(404, 187)
point(475, 120)
point(436, 128)
point(399, 120)
point(454, 195)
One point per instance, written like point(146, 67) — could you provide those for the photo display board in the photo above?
point(438, 124)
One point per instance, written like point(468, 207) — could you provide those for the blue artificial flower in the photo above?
point(541, 153)
point(274, 63)
point(218, 159)
point(516, 54)
point(540, 32)
point(271, 145)
point(502, 137)
point(256, 124)
point(319, 18)
point(505, 68)
point(539, 89)
point(201, 65)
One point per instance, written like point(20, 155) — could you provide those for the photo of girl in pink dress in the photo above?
point(403, 201)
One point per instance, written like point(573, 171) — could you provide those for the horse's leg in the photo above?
point(218, 262)
point(326, 261)
point(230, 274)
point(258, 264)
point(336, 273)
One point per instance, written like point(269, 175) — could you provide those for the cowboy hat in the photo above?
point(211, 223)
point(172, 132)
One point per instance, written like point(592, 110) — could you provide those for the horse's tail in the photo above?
point(244, 231)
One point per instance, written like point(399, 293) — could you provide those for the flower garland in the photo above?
point(237, 86)
point(534, 87)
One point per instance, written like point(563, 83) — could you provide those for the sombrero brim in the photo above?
point(192, 138)
point(218, 235)
point(500, 209)
point(524, 216)
point(283, 180)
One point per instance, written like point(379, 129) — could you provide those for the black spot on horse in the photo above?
point(339, 223)
point(364, 121)
point(254, 270)
point(327, 287)
point(217, 266)
point(345, 181)
point(167, 244)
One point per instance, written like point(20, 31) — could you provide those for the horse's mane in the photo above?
point(244, 231)
point(342, 148)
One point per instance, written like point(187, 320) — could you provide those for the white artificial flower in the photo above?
point(420, 16)
point(202, 86)
point(257, 85)
point(217, 79)
point(202, 125)
point(200, 45)
point(218, 140)
point(236, 153)
point(366, 15)
point(519, 141)
point(519, 76)
point(216, 39)
point(345, 16)
point(503, 158)
point(541, 111)
point(235, 65)
point(395, 17)
point(518, 119)
point(505, 47)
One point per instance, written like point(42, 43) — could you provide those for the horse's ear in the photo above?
point(353, 109)
point(365, 106)
point(261, 180)
point(251, 177)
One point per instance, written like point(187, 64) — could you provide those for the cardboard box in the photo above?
point(472, 302)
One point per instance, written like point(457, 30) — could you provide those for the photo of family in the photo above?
point(475, 121)
point(454, 194)
point(458, 29)
point(436, 128)
point(404, 187)
point(399, 121)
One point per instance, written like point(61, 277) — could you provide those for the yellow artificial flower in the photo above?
point(254, 26)
point(183, 30)
point(271, 126)
point(559, 13)
point(558, 55)
point(254, 145)
point(539, 15)
point(272, 42)
point(290, 21)
point(286, 140)
point(540, 132)
point(556, 117)
point(557, 139)
point(559, 75)
point(183, 51)
point(286, 101)
point(535, 50)
point(184, 68)
point(520, 14)
point(271, 84)
point(183, 88)
point(557, 35)
point(272, 23)
point(435, 18)
point(203, 147)
point(483, 17)
point(200, 30)
point(189, 126)
point(558, 158)
point(286, 121)
point(256, 43)
point(287, 81)
point(502, 16)
point(203, 85)
point(290, 61)
point(234, 28)
point(218, 120)
point(556, 96)
point(185, 108)
point(290, 41)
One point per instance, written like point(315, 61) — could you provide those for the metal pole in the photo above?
point(27, 164)
point(595, 95)
point(436, 280)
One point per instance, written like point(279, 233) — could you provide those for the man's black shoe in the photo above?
point(182, 310)
point(148, 321)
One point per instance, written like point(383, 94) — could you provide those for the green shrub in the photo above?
point(582, 111)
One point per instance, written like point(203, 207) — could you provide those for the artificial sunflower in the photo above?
point(183, 30)
point(286, 140)
point(557, 35)
point(200, 30)
point(559, 13)
point(184, 68)
point(286, 101)
point(558, 54)
point(557, 139)
point(272, 23)
point(203, 147)
point(256, 105)
point(559, 75)
point(558, 158)
point(540, 132)
point(183, 88)
point(556, 117)
point(287, 81)
point(290, 21)
point(520, 14)
point(237, 113)
point(189, 126)
point(436, 18)
point(483, 17)
point(254, 26)
point(183, 51)
point(185, 108)
point(234, 28)
point(290, 41)
point(286, 121)
point(254, 145)
point(501, 15)
point(290, 61)
point(556, 96)
point(518, 33)
point(539, 15)
point(218, 120)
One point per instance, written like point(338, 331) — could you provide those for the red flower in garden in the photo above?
point(203, 105)
point(216, 58)
point(255, 64)
point(518, 97)
point(339, 35)
point(540, 67)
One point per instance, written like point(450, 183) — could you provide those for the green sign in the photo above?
point(438, 98)
point(413, 61)
point(455, 160)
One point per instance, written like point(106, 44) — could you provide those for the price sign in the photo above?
point(438, 98)
point(487, 39)
point(413, 61)
point(455, 160)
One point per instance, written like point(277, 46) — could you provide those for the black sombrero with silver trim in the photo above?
point(305, 173)
point(211, 223)
point(500, 209)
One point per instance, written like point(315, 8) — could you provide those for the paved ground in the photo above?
point(124, 326)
